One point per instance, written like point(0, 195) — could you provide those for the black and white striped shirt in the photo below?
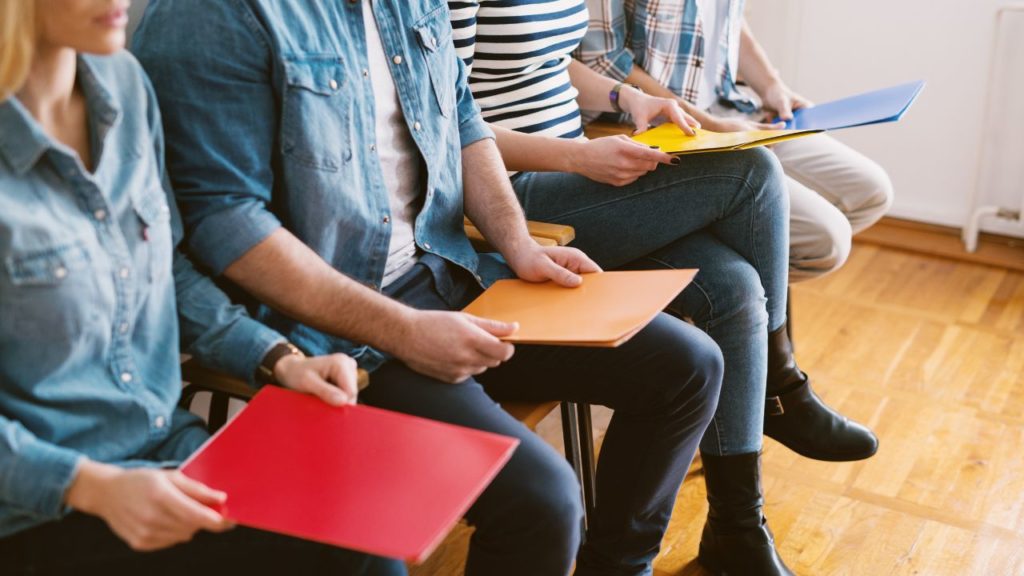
point(518, 53)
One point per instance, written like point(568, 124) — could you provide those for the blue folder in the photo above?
point(887, 105)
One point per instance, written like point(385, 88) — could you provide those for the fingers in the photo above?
point(197, 490)
point(191, 515)
point(342, 372)
point(785, 110)
point(685, 122)
point(559, 274)
point(770, 126)
point(573, 259)
point(494, 327)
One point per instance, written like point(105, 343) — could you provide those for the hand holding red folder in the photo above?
point(354, 476)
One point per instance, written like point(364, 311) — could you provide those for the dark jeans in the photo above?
point(81, 544)
point(663, 385)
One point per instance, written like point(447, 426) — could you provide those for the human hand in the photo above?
point(722, 124)
point(644, 109)
point(148, 508)
point(779, 99)
point(452, 346)
point(616, 160)
point(560, 264)
point(332, 378)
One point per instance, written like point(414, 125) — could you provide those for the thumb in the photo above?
point(785, 109)
point(561, 275)
point(329, 393)
point(494, 327)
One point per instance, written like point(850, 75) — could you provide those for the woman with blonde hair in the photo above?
point(92, 290)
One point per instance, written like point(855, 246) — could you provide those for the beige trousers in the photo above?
point(834, 193)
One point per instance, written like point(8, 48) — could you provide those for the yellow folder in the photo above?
point(672, 140)
point(605, 311)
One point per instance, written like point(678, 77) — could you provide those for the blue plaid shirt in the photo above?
point(666, 38)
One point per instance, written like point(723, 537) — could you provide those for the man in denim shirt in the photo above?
point(332, 190)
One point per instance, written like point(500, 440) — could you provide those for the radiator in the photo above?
point(997, 201)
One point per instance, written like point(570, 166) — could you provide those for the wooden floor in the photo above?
point(930, 353)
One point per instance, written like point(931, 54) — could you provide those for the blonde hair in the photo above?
point(17, 39)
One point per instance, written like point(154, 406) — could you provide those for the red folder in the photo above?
point(356, 477)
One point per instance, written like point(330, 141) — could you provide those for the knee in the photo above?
point(549, 500)
point(876, 200)
point(737, 298)
point(768, 174)
point(824, 251)
point(688, 374)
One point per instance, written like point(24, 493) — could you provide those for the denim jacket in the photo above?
point(89, 333)
point(269, 113)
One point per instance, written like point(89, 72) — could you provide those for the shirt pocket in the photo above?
point(48, 294)
point(155, 255)
point(316, 116)
point(434, 33)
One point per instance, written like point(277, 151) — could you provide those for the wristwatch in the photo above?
point(265, 371)
point(614, 95)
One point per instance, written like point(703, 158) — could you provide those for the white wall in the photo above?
point(828, 49)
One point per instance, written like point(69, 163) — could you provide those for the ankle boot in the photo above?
point(795, 416)
point(736, 539)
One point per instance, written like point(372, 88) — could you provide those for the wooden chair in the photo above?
point(579, 448)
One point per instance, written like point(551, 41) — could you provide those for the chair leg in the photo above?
point(218, 411)
point(588, 462)
point(571, 438)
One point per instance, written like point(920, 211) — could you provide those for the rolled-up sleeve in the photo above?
point(603, 47)
point(34, 475)
point(219, 114)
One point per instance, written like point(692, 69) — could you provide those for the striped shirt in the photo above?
point(518, 53)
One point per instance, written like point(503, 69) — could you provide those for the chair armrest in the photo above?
point(543, 233)
point(602, 129)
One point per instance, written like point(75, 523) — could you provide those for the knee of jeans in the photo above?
point(552, 500)
point(769, 173)
point(738, 299)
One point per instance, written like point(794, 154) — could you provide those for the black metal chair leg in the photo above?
point(588, 463)
point(218, 411)
point(571, 437)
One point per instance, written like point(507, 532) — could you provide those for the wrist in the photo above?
point(628, 97)
point(283, 365)
point(84, 493)
point(572, 158)
point(267, 372)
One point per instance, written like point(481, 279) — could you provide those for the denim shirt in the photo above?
point(269, 112)
point(89, 334)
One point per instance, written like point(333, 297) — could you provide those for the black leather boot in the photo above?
point(796, 417)
point(736, 539)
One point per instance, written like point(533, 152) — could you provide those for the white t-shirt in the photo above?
point(714, 15)
point(399, 159)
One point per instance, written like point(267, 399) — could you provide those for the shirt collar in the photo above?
point(23, 141)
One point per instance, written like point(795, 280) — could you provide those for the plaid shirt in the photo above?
point(666, 39)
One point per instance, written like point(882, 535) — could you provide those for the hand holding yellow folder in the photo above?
point(672, 140)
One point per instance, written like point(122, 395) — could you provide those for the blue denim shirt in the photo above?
point(89, 335)
point(269, 113)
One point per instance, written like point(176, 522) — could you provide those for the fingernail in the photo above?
point(655, 147)
point(675, 161)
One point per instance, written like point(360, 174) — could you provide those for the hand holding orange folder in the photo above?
point(353, 476)
point(605, 311)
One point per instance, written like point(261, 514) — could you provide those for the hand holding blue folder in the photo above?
point(887, 105)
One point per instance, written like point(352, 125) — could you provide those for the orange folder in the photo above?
point(357, 477)
point(608, 309)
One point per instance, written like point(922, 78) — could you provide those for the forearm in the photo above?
point(754, 67)
point(523, 152)
point(593, 87)
point(34, 473)
point(288, 276)
point(489, 200)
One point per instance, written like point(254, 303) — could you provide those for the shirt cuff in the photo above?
point(39, 477)
point(473, 130)
point(240, 349)
point(221, 238)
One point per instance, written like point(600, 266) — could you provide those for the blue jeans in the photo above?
point(725, 213)
point(663, 385)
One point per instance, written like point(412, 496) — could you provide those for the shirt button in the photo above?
point(123, 328)
point(416, 126)
point(426, 245)
point(397, 59)
point(333, 84)
point(100, 215)
point(373, 147)
point(386, 219)
point(365, 72)
point(60, 272)
point(123, 272)
point(126, 377)
point(159, 421)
